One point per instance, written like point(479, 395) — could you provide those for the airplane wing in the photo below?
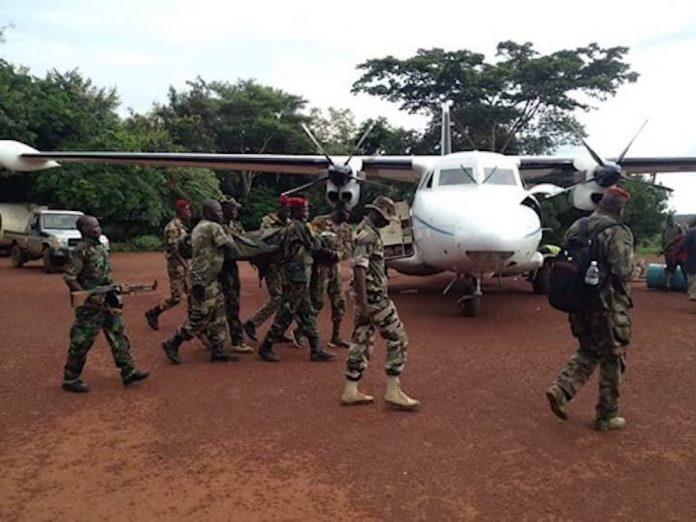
point(562, 171)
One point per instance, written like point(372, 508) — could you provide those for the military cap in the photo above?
point(297, 202)
point(181, 204)
point(384, 206)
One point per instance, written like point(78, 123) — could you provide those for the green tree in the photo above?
point(524, 102)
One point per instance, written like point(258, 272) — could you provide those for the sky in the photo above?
point(312, 49)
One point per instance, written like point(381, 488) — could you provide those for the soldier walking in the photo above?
point(177, 266)
point(206, 313)
point(89, 268)
point(375, 311)
point(603, 331)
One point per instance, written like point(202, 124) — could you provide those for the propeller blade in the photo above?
point(361, 141)
point(623, 154)
point(305, 186)
point(316, 143)
point(594, 155)
point(648, 183)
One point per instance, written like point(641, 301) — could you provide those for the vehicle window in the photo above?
point(457, 176)
point(498, 176)
point(60, 221)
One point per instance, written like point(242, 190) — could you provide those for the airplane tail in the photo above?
point(446, 133)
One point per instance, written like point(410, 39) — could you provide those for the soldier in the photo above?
point(671, 232)
point(688, 250)
point(87, 269)
point(327, 278)
point(298, 248)
point(374, 310)
point(272, 274)
point(604, 331)
point(229, 276)
point(206, 313)
point(177, 266)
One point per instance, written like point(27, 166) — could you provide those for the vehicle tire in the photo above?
point(470, 307)
point(48, 264)
point(542, 279)
point(17, 258)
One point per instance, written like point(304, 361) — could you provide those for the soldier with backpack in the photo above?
point(590, 281)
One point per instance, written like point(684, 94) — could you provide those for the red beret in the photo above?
point(618, 191)
point(182, 204)
point(283, 199)
point(297, 202)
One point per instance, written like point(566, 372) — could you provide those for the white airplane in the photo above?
point(474, 213)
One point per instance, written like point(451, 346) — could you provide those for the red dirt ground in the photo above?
point(256, 441)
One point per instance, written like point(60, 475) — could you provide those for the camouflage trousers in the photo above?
point(603, 337)
point(296, 304)
point(327, 279)
point(88, 322)
point(177, 286)
point(385, 319)
point(206, 318)
point(691, 286)
point(274, 285)
point(229, 283)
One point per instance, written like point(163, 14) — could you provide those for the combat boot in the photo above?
point(557, 401)
point(135, 376)
point(614, 423)
point(250, 329)
point(351, 396)
point(267, 354)
point(317, 354)
point(396, 398)
point(171, 348)
point(242, 348)
point(218, 354)
point(76, 386)
point(336, 341)
point(152, 317)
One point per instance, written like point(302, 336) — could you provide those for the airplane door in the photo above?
point(398, 235)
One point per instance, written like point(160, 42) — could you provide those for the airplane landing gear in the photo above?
point(470, 302)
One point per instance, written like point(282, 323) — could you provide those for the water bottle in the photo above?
point(592, 274)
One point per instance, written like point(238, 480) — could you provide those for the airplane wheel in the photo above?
point(470, 307)
point(542, 280)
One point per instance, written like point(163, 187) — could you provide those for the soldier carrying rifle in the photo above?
point(87, 273)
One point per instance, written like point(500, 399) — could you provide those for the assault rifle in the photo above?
point(110, 295)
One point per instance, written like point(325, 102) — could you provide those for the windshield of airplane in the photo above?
point(457, 176)
point(499, 176)
point(60, 221)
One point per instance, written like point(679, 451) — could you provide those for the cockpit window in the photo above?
point(457, 176)
point(499, 176)
point(427, 180)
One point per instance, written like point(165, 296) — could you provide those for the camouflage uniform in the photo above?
point(327, 278)
point(273, 277)
point(89, 266)
point(174, 231)
point(369, 253)
point(605, 332)
point(229, 282)
point(206, 314)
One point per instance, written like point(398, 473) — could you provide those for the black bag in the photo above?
point(568, 291)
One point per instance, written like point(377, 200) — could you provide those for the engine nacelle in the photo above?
point(10, 158)
point(348, 193)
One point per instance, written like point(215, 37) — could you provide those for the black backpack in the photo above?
point(568, 291)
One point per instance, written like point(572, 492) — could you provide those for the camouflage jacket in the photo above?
point(174, 231)
point(369, 254)
point(342, 241)
point(273, 221)
point(233, 228)
point(89, 265)
point(615, 260)
point(207, 239)
point(298, 245)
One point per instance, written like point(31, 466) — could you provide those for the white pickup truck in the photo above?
point(49, 235)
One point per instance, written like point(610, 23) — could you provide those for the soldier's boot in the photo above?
point(266, 352)
point(250, 329)
point(171, 348)
point(336, 341)
point(242, 347)
point(135, 376)
point(317, 354)
point(351, 396)
point(396, 398)
point(297, 338)
point(557, 401)
point(218, 354)
point(75, 386)
point(152, 317)
point(613, 423)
